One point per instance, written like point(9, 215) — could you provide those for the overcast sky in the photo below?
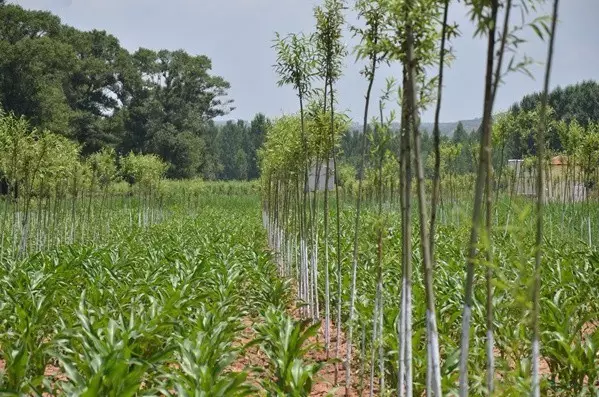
point(237, 35)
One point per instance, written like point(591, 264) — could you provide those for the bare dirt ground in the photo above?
point(253, 360)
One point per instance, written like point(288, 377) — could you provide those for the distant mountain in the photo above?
point(446, 128)
point(449, 127)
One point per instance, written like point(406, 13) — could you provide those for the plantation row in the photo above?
point(51, 195)
point(569, 313)
point(160, 310)
point(461, 270)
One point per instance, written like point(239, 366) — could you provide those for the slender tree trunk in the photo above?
point(434, 389)
point(373, 59)
point(327, 298)
point(500, 174)
point(405, 187)
point(303, 215)
point(298, 254)
point(375, 323)
point(314, 236)
point(338, 259)
point(338, 252)
point(378, 312)
point(6, 202)
point(22, 248)
point(490, 343)
point(437, 137)
point(485, 152)
point(379, 286)
point(362, 358)
point(540, 203)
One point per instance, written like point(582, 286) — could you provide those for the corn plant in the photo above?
point(284, 342)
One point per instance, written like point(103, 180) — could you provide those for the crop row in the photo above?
point(569, 312)
point(158, 310)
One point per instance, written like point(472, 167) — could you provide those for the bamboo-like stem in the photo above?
point(434, 388)
point(540, 203)
point(484, 153)
point(372, 72)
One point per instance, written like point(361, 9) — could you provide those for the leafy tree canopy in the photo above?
point(86, 87)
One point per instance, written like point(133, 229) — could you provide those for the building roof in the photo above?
point(559, 160)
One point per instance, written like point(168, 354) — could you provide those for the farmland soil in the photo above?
point(255, 361)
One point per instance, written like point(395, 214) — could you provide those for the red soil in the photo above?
point(254, 359)
point(324, 383)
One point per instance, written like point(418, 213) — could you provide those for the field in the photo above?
point(569, 313)
point(196, 303)
point(147, 251)
point(149, 310)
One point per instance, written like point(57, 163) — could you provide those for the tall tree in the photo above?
point(257, 132)
point(330, 51)
point(174, 97)
point(414, 43)
point(459, 134)
point(488, 17)
point(85, 86)
point(295, 67)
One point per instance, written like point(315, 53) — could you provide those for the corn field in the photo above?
point(161, 309)
point(116, 282)
point(406, 275)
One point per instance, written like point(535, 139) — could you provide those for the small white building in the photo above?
point(317, 175)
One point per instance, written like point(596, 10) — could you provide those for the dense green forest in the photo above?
point(85, 86)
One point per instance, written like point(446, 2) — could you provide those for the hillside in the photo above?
point(447, 128)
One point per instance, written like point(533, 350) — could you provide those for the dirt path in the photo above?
point(324, 385)
point(325, 380)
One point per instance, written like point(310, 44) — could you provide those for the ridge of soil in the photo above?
point(254, 361)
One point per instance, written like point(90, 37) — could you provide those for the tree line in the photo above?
point(85, 86)
point(573, 116)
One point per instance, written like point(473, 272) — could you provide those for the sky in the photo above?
point(237, 35)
